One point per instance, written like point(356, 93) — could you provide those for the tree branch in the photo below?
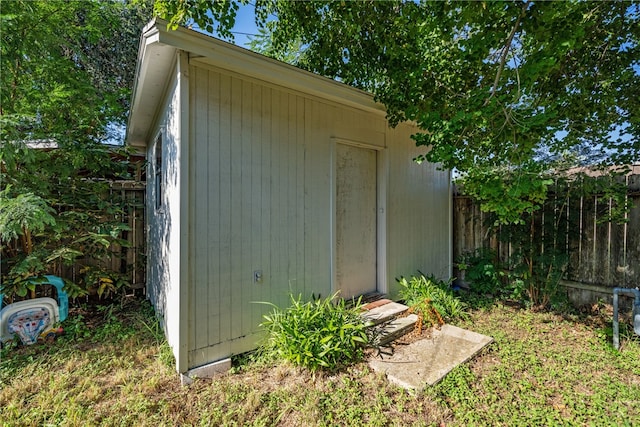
point(505, 52)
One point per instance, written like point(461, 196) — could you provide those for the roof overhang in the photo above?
point(157, 53)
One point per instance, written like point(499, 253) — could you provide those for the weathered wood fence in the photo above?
point(601, 254)
point(128, 260)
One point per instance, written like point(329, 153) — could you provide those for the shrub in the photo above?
point(481, 271)
point(431, 299)
point(319, 334)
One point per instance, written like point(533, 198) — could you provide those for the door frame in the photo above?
point(382, 177)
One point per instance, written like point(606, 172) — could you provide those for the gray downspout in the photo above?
point(636, 312)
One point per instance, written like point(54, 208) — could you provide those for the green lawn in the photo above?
point(542, 369)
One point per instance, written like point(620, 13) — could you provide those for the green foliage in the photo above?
point(264, 43)
point(214, 16)
point(525, 190)
point(59, 77)
point(499, 90)
point(38, 240)
point(481, 271)
point(431, 299)
point(26, 214)
point(23, 218)
point(537, 264)
point(321, 334)
point(103, 283)
point(62, 94)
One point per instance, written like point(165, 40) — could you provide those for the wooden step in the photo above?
point(384, 313)
point(383, 334)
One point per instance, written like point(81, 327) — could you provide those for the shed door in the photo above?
point(356, 220)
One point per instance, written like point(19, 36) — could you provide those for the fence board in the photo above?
point(599, 252)
point(127, 260)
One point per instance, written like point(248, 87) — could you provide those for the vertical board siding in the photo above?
point(235, 220)
point(247, 190)
point(260, 197)
point(221, 148)
point(215, 311)
point(255, 249)
point(263, 259)
point(199, 256)
point(418, 236)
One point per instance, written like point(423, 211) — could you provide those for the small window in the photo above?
point(158, 171)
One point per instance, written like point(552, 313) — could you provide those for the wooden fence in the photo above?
point(601, 254)
point(128, 260)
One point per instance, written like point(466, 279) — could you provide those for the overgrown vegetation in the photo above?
point(113, 367)
point(537, 249)
point(431, 299)
point(320, 334)
point(481, 272)
point(39, 240)
point(62, 97)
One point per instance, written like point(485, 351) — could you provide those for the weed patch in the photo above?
point(543, 369)
point(431, 299)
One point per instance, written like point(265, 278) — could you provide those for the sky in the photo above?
point(245, 25)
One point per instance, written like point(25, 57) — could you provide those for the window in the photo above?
point(158, 171)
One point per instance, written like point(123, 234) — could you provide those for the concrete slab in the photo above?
point(206, 371)
point(385, 333)
point(384, 312)
point(427, 361)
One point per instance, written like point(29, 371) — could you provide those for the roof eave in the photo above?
point(156, 54)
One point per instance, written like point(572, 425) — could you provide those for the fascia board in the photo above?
point(157, 50)
point(242, 61)
point(153, 69)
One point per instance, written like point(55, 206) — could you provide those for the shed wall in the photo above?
point(419, 219)
point(163, 231)
point(260, 201)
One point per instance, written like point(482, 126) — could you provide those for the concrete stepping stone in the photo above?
point(427, 361)
point(383, 313)
point(385, 333)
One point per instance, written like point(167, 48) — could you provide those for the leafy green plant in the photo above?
point(62, 97)
point(540, 251)
point(39, 240)
point(22, 219)
point(481, 271)
point(431, 299)
point(99, 281)
point(320, 334)
point(22, 216)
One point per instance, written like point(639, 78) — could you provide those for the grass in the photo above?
point(543, 369)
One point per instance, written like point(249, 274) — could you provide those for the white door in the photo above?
point(356, 220)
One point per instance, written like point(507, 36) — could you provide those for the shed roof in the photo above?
point(156, 56)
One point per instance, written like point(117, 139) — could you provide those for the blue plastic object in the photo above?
point(63, 298)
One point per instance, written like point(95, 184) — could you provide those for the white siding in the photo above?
point(418, 234)
point(260, 199)
point(163, 261)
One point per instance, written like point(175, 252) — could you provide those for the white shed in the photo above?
point(265, 180)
